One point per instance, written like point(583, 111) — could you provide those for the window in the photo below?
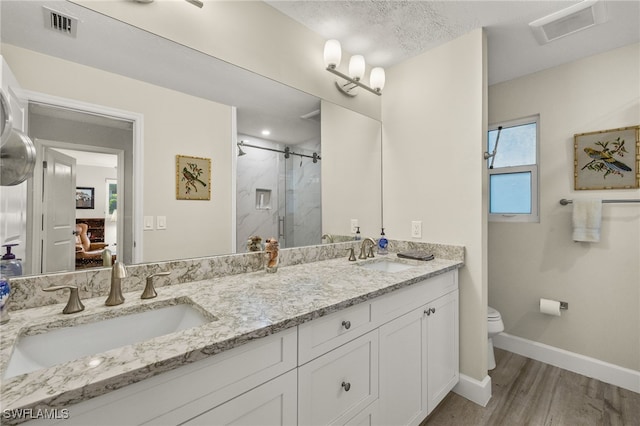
point(513, 179)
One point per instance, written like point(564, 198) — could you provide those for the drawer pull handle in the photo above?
point(346, 324)
point(346, 386)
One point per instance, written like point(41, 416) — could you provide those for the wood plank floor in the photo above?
point(529, 392)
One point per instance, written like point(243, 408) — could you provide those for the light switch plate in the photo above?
point(416, 229)
point(148, 223)
point(161, 222)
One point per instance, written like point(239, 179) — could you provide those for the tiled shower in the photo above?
point(276, 196)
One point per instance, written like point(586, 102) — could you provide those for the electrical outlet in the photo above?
point(354, 225)
point(416, 229)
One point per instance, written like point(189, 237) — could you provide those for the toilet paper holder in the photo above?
point(564, 305)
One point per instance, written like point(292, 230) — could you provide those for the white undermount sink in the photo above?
point(386, 265)
point(34, 352)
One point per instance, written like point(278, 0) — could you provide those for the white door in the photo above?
point(58, 212)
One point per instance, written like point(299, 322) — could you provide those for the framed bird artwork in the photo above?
point(607, 159)
point(193, 178)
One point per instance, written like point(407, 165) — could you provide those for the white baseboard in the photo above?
point(474, 390)
point(590, 367)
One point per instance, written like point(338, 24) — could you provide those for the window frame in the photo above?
point(534, 216)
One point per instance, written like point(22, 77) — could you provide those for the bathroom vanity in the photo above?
point(327, 342)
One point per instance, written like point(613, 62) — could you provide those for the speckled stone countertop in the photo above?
point(247, 306)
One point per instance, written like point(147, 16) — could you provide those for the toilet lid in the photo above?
point(492, 314)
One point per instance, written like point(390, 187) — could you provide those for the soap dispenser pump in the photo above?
point(358, 236)
point(9, 265)
point(382, 243)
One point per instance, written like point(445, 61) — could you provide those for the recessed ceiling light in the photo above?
point(266, 132)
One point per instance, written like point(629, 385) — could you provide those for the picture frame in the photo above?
point(193, 178)
point(607, 159)
point(85, 197)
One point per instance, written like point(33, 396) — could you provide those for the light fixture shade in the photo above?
point(332, 53)
point(356, 67)
point(377, 79)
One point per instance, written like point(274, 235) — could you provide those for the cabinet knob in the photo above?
point(346, 324)
point(346, 386)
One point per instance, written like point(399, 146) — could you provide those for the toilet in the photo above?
point(494, 326)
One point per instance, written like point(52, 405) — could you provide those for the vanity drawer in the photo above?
point(324, 334)
point(338, 385)
point(398, 303)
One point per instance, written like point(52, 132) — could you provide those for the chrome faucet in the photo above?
point(118, 272)
point(363, 251)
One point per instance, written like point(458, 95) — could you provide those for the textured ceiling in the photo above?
point(388, 32)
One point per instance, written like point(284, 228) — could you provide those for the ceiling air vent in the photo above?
point(567, 21)
point(59, 22)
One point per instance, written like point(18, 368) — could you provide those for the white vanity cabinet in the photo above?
point(386, 361)
point(419, 352)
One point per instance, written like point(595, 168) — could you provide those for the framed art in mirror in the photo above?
point(607, 159)
point(85, 197)
point(193, 178)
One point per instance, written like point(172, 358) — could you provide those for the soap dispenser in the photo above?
point(358, 236)
point(4, 296)
point(9, 265)
point(382, 243)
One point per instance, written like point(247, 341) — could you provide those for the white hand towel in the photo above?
point(587, 216)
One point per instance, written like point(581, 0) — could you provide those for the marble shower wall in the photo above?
point(304, 209)
point(258, 170)
point(294, 194)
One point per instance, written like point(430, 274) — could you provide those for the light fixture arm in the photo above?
point(333, 70)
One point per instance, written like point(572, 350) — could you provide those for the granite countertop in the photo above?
point(247, 306)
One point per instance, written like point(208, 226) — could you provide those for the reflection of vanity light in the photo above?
point(94, 362)
point(266, 132)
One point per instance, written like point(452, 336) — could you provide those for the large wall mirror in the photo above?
point(123, 103)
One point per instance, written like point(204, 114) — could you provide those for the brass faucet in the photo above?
point(363, 252)
point(118, 272)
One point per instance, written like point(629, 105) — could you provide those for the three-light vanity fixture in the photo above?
point(332, 57)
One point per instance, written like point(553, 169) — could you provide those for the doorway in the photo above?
point(102, 147)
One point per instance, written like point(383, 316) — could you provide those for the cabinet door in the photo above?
point(442, 348)
point(273, 403)
point(403, 399)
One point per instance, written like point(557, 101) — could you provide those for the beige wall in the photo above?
point(434, 127)
point(170, 118)
point(527, 261)
point(351, 171)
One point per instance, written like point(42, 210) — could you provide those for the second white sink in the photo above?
point(34, 352)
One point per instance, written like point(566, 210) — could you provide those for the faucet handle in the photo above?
point(74, 304)
point(149, 291)
point(352, 255)
point(370, 254)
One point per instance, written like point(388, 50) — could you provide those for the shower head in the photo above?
point(240, 151)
